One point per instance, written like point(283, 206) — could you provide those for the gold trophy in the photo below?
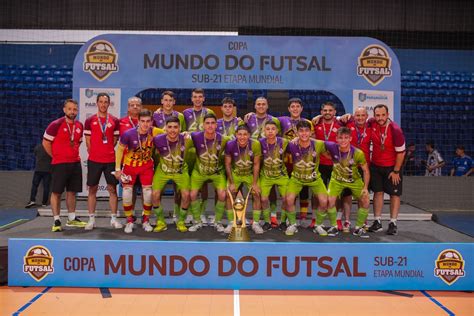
point(239, 206)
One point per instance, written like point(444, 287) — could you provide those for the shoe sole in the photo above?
point(159, 231)
point(375, 231)
point(57, 230)
point(76, 225)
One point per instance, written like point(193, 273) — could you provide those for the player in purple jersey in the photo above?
point(229, 122)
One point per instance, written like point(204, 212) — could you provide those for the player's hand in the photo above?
point(117, 174)
point(187, 135)
point(256, 189)
point(345, 118)
point(316, 119)
point(365, 192)
point(232, 188)
point(395, 177)
point(247, 116)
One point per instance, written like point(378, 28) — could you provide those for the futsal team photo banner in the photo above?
point(221, 265)
point(352, 68)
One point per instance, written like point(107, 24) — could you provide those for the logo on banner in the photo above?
point(100, 60)
point(374, 64)
point(449, 266)
point(38, 262)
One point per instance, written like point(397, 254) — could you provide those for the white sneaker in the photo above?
point(228, 228)
point(174, 219)
point(204, 220)
point(115, 224)
point(195, 227)
point(90, 225)
point(212, 220)
point(189, 219)
point(320, 230)
point(257, 229)
point(147, 227)
point(291, 230)
point(128, 228)
point(219, 227)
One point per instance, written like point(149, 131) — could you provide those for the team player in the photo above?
point(61, 141)
point(166, 110)
point(101, 132)
point(388, 153)
point(273, 170)
point(256, 121)
point(305, 154)
point(228, 123)
point(289, 132)
point(172, 148)
point(209, 147)
point(242, 165)
point(194, 118)
point(137, 144)
point(345, 175)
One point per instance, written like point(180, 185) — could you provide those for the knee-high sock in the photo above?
point(176, 209)
point(158, 210)
point(283, 216)
point(127, 201)
point(182, 214)
point(220, 208)
point(203, 206)
point(266, 215)
point(362, 214)
point(291, 217)
point(230, 215)
point(196, 210)
point(256, 215)
point(332, 214)
point(320, 215)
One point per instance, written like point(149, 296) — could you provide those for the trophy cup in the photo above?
point(239, 206)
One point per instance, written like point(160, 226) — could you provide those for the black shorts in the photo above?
point(379, 181)
point(95, 170)
point(326, 172)
point(66, 175)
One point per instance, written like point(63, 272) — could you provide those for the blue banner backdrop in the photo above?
point(355, 69)
point(222, 265)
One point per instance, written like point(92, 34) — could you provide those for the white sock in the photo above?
point(393, 220)
point(378, 218)
point(91, 217)
point(113, 217)
point(71, 216)
point(339, 215)
point(56, 217)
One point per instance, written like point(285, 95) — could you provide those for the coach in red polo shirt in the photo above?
point(61, 140)
point(101, 131)
point(388, 153)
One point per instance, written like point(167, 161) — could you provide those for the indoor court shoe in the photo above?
point(57, 226)
point(320, 231)
point(128, 228)
point(361, 233)
point(339, 225)
point(44, 205)
point(267, 226)
point(228, 228)
point(346, 228)
point(181, 227)
point(195, 227)
point(313, 223)
point(76, 222)
point(160, 227)
point(30, 204)
point(274, 222)
point(333, 231)
point(90, 225)
point(257, 229)
point(204, 220)
point(392, 229)
point(116, 224)
point(376, 227)
point(283, 226)
point(147, 227)
point(291, 230)
point(219, 227)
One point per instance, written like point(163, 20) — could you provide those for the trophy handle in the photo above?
point(230, 196)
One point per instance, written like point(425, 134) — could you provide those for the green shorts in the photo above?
point(161, 178)
point(266, 185)
point(190, 159)
point(238, 180)
point(336, 187)
point(198, 179)
point(317, 187)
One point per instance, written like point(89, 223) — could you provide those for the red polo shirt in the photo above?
point(60, 133)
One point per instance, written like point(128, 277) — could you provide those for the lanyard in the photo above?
point(103, 127)
point(383, 136)
point(178, 144)
point(311, 151)
point(200, 118)
point(326, 136)
point(71, 132)
point(228, 131)
point(360, 137)
point(246, 149)
point(348, 158)
point(131, 122)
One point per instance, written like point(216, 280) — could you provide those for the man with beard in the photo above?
point(61, 141)
point(388, 154)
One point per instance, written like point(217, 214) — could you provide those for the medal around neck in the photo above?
point(239, 206)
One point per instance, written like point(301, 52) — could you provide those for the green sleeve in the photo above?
point(285, 144)
point(210, 111)
point(359, 157)
point(256, 148)
point(277, 122)
point(182, 122)
point(320, 147)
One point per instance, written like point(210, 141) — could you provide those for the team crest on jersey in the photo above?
point(374, 64)
point(449, 266)
point(38, 262)
point(101, 60)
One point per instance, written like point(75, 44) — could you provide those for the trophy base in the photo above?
point(239, 234)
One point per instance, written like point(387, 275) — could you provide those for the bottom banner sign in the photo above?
point(219, 265)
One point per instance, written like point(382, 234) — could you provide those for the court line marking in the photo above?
point(34, 299)
point(437, 302)
point(236, 303)
point(105, 292)
point(398, 293)
point(7, 225)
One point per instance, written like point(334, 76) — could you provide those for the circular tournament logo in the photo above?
point(374, 64)
point(100, 60)
point(38, 262)
point(449, 266)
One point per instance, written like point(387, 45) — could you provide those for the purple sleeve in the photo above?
point(228, 148)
